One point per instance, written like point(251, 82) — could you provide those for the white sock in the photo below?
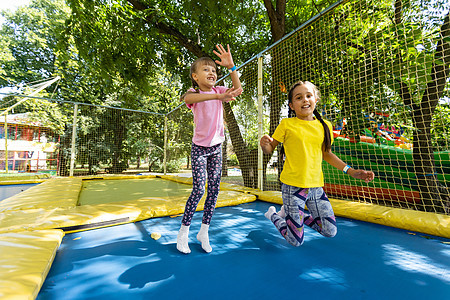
point(203, 237)
point(270, 212)
point(182, 240)
point(282, 213)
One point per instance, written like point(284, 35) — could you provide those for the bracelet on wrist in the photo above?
point(232, 69)
point(346, 168)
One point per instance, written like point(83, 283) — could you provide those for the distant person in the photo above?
point(205, 101)
point(307, 142)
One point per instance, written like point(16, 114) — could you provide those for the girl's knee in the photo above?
point(295, 242)
point(199, 189)
point(330, 231)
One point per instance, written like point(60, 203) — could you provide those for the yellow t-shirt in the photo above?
point(303, 147)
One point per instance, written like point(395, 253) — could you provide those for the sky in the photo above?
point(11, 5)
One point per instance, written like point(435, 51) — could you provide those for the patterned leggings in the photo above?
point(204, 160)
point(321, 217)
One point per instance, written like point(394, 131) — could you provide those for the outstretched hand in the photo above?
point(226, 60)
point(266, 144)
point(265, 140)
point(231, 94)
point(367, 176)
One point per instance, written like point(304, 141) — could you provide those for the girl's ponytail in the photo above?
point(194, 86)
point(326, 145)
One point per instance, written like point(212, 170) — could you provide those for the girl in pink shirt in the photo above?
point(205, 101)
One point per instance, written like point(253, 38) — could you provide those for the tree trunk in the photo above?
point(119, 132)
point(64, 152)
point(224, 158)
point(249, 172)
point(435, 197)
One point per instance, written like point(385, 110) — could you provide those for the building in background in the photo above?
point(31, 147)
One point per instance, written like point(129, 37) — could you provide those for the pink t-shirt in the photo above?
point(208, 119)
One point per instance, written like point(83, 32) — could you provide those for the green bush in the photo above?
point(232, 160)
point(173, 166)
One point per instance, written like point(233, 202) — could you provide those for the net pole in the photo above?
point(6, 142)
point(74, 137)
point(260, 123)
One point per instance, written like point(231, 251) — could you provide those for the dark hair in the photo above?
point(326, 145)
point(197, 63)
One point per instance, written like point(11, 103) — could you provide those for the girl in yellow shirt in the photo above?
point(307, 142)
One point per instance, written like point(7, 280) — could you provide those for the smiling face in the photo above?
point(206, 76)
point(304, 101)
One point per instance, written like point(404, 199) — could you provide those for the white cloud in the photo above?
point(11, 6)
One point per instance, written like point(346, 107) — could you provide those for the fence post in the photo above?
point(165, 144)
point(74, 137)
point(260, 123)
point(6, 142)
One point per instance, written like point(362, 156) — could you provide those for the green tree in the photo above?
point(35, 48)
point(172, 33)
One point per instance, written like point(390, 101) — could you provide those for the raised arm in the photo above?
point(226, 60)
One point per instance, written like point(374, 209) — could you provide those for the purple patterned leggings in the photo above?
point(321, 217)
point(205, 160)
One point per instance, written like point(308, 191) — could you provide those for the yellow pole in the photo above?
point(6, 142)
point(260, 123)
point(74, 138)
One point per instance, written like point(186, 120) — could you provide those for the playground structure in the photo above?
point(377, 133)
point(374, 151)
point(31, 146)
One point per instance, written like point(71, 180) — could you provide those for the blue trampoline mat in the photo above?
point(10, 190)
point(250, 260)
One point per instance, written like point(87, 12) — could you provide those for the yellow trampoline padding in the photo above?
point(26, 258)
point(76, 218)
point(270, 196)
point(110, 191)
point(224, 186)
point(116, 177)
point(419, 221)
point(31, 181)
point(21, 178)
point(52, 205)
point(185, 180)
point(101, 215)
point(53, 193)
